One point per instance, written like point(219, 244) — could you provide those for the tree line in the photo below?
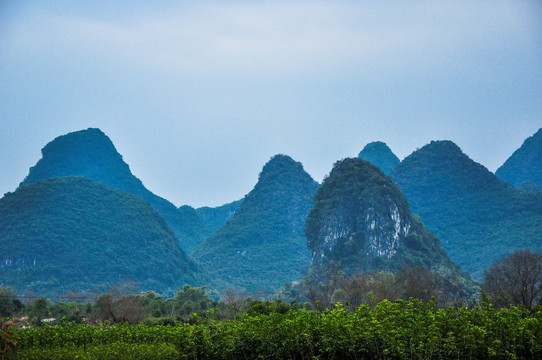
point(513, 280)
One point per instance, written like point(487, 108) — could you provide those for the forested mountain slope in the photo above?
point(213, 218)
point(478, 217)
point(524, 166)
point(263, 246)
point(77, 234)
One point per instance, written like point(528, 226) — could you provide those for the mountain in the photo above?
point(263, 246)
point(213, 218)
point(525, 164)
point(379, 154)
point(362, 222)
point(91, 153)
point(77, 234)
point(478, 217)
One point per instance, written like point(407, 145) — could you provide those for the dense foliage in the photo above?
point(389, 330)
point(91, 153)
point(263, 246)
point(525, 164)
point(478, 217)
point(361, 222)
point(76, 234)
point(380, 155)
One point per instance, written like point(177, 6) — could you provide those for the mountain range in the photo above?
point(82, 221)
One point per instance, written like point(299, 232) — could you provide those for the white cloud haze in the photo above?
point(197, 96)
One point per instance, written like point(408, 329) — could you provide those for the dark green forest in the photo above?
point(76, 234)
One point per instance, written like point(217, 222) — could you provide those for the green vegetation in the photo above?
point(76, 234)
point(525, 164)
point(380, 155)
point(389, 330)
point(91, 153)
point(477, 217)
point(214, 218)
point(263, 246)
point(361, 222)
point(190, 325)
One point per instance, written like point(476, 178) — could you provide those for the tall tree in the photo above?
point(516, 279)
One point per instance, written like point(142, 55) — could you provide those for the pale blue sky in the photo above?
point(197, 96)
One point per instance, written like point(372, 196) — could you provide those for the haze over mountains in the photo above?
point(80, 207)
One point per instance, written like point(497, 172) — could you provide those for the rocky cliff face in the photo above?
point(362, 222)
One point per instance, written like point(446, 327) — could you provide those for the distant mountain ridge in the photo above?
point(380, 155)
point(263, 246)
point(77, 234)
point(478, 217)
point(91, 153)
point(361, 222)
point(213, 218)
point(524, 166)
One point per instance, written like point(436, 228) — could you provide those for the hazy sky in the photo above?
point(198, 95)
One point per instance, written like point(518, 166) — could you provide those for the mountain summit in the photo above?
point(379, 154)
point(91, 153)
point(263, 245)
point(525, 164)
point(478, 217)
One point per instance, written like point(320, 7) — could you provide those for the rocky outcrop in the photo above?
point(361, 222)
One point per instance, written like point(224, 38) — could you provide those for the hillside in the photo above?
point(91, 153)
point(478, 217)
point(77, 234)
point(524, 166)
point(362, 222)
point(213, 218)
point(380, 155)
point(263, 246)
